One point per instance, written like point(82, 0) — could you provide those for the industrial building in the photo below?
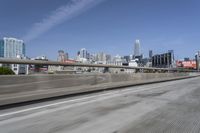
point(165, 60)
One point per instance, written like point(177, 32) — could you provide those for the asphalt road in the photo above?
point(171, 107)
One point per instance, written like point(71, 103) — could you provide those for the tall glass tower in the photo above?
point(137, 48)
point(1, 48)
point(11, 47)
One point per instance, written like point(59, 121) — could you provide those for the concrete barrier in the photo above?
point(15, 89)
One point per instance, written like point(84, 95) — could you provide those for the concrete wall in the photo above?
point(25, 88)
point(14, 79)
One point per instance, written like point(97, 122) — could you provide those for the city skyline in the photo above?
point(109, 26)
point(82, 53)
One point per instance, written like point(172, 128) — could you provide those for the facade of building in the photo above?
point(128, 58)
point(137, 48)
point(197, 57)
point(1, 48)
point(101, 57)
point(119, 61)
point(165, 60)
point(186, 59)
point(83, 53)
point(67, 55)
point(11, 48)
point(62, 56)
point(189, 64)
point(108, 57)
point(39, 68)
point(14, 48)
point(150, 54)
point(19, 69)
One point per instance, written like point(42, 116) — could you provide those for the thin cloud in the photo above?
point(60, 15)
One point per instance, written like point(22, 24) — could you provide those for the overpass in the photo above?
point(55, 63)
point(100, 103)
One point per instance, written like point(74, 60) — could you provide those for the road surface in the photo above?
point(171, 107)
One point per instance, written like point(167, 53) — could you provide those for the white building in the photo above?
point(20, 68)
point(83, 53)
point(133, 63)
point(118, 60)
point(11, 47)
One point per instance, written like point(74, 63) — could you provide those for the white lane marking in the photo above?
point(56, 109)
point(115, 94)
point(65, 107)
point(12, 119)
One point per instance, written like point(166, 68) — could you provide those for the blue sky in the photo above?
point(111, 26)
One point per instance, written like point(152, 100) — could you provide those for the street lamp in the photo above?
point(197, 56)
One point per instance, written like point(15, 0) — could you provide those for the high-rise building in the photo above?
point(101, 56)
point(108, 57)
point(62, 56)
point(137, 48)
point(83, 53)
point(150, 54)
point(1, 48)
point(88, 56)
point(11, 48)
point(67, 55)
point(14, 48)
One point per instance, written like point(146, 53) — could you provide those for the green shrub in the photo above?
point(6, 71)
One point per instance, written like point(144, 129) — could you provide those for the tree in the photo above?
point(6, 71)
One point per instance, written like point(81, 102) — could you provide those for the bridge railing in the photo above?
point(55, 63)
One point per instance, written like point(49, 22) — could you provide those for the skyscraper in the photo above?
point(137, 48)
point(11, 48)
point(150, 54)
point(14, 48)
point(101, 56)
point(61, 56)
point(83, 53)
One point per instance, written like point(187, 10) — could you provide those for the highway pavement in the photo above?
point(169, 107)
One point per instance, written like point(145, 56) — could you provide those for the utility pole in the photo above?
point(197, 60)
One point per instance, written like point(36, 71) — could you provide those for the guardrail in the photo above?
point(55, 63)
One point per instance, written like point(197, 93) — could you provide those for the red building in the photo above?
point(186, 64)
